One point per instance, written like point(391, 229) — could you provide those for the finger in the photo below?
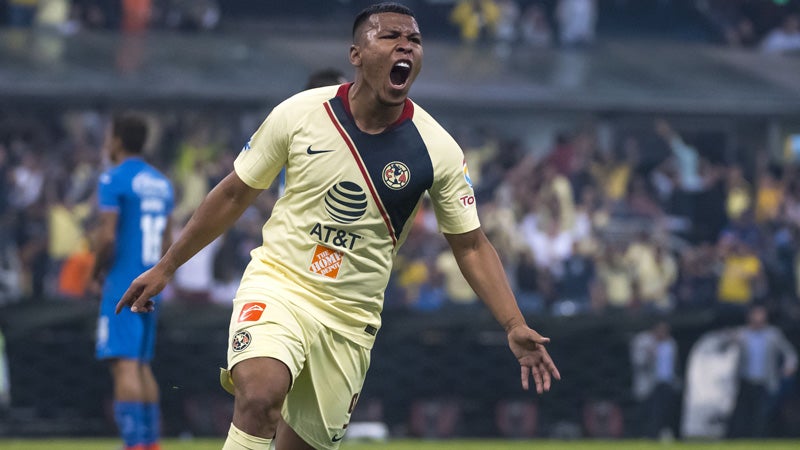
point(537, 378)
point(551, 366)
point(524, 371)
point(150, 306)
point(142, 303)
point(545, 377)
point(539, 339)
point(124, 301)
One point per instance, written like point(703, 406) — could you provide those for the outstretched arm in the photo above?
point(218, 211)
point(483, 270)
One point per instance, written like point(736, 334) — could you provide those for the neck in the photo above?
point(370, 114)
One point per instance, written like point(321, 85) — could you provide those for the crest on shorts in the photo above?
point(396, 175)
point(241, 341)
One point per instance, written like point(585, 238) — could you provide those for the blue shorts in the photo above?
point(126, 335)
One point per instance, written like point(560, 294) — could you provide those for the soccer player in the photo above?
point(358, 158)
point(135, 202)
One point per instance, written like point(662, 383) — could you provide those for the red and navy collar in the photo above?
point(408, 106)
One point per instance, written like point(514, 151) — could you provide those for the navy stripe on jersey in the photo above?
point(402, 144)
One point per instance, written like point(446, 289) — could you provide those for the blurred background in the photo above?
point(635, 163)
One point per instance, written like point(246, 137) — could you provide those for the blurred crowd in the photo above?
point(631, 227)
point(771, 26)
point(649, 222)
point(129, 16)
point(768, 25)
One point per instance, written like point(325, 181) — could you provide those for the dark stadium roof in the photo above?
point(264, 67)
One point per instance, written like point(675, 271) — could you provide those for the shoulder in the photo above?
point(307, 100)
point(111, 175)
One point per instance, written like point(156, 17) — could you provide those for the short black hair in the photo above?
point(131, 130)
point(324, 77)
point(379, 8)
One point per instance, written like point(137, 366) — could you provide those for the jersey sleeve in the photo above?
point(452, 196)
point(263, 157)
point(108, 193)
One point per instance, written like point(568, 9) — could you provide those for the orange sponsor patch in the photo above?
point(326, 261)
point(251, 311)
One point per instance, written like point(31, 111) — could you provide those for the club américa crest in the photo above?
point(241, 341)
point(396, 175)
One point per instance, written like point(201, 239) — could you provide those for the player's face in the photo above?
point(388, 53)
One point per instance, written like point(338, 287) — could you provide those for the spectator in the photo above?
point(98, 14)
point(790, 209)
point(192, 15)
point(615, 280)
point(75, 273)
point(535, 29)
point(557, 197)
point(136, 15)
point(562, 156)
point(194, 281)
point(612, 170)
point(742, 274)
point(697, 282)
point(456, 288)
point(506, 30)
point(741, 33)
point(6, 189)
point(21, 13)
point(55, 15)
point(573, 288)
point(654, 360)
point(28, 177)
point(689, 185)
point(769, 195)
point(576, 22)
point(655, 272)
point(766, 357)
point(785, 38)
point(640, 201)
point(744, 229)
point(686, 157)
point(475, 19)
point(739, 197)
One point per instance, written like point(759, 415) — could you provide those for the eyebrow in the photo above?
point(396, 31)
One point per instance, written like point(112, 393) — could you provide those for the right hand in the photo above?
point(139, 296)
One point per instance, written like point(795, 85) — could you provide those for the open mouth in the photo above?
point(400, 72)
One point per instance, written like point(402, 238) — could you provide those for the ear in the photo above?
point(355, 55)
point(114, 147)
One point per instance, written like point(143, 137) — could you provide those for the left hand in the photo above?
point(528, 346)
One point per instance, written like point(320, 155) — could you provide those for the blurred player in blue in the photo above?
point(135, 201)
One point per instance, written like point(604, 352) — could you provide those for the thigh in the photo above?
point(262, 378)
point(264, 328)
point(319, 406)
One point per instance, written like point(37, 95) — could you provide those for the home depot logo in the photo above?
point(326, 261)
